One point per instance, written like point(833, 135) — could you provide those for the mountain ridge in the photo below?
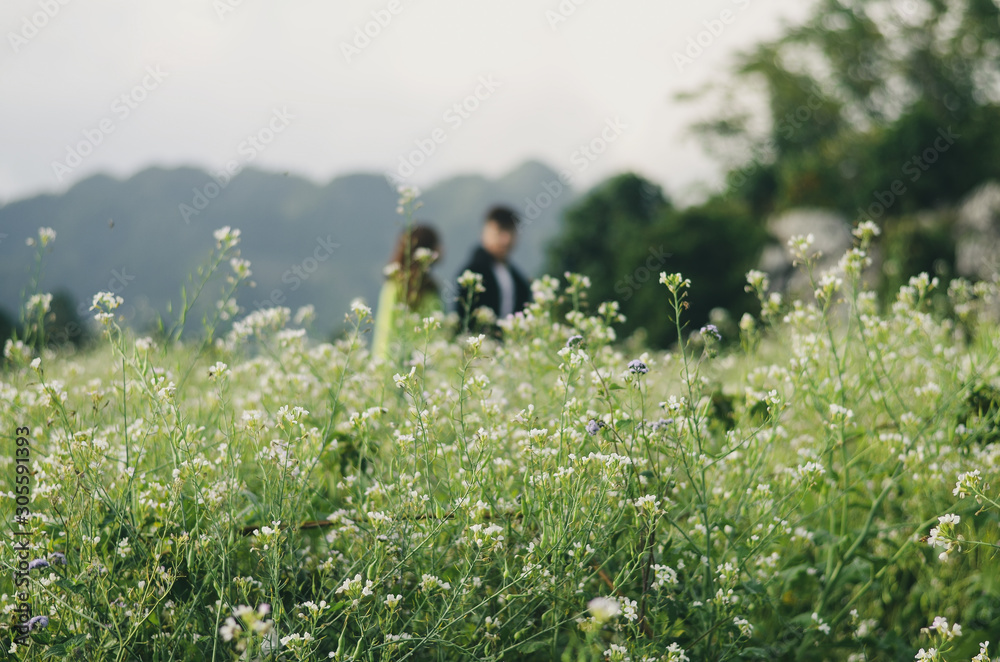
point(142, 236)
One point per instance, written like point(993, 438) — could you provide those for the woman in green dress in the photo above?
point(407, 279)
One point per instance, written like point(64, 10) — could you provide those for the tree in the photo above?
point(875, 108)
point(624, 232)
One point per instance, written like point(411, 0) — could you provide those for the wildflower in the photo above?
point(58, 557)
point(391, 601)
point(104, 303)
point(967, 484)
point(476, 342)
point(866, 229)
point(637, 367)
point(305, 314)
point(573, 340)
point(604, 609)
point(616, 654)
point(240, 267)
point(296, 640)
point(821, 625)
point(38, 563)
point(984, 655)
point(943, 536)
point(226, 237)
point(403, 380)
point(757, 281)
point(360, 310)
point(470, 279)
point(676, 654)
point(594, 426)
point(218, 371)
point(40, 621)
point(430, 582)
point(940, 627)
point(674, 282)
point(744, 625)
point(407, 194)
point(665, 576)
point(710, 330)
point(660, 424)
point(800, 245)
point(40, 303)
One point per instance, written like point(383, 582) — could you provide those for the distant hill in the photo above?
point(132, 236)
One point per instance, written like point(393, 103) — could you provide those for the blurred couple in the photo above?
point(504, 292)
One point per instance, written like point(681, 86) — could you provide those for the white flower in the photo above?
point(391, 601)
point(403, 380)
point(226, 237)
point(967, 484)
point(240, 267)
point(218, 371)
point(430, 582)
point(39, 304)
point(471, 279)
point(676, 654)
point(106, 301)
point(360, 310)
point(46, 236)
point(604, 609)
point(866, 229)
point(305, 314)
point(940, 627)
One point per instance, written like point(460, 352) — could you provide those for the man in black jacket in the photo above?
point(507, 291)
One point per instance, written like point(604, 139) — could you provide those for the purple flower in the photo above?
point(58, 557)
point(573, 340)
point(593, 427)
point(711, 330)
point(38, 563)
point(637, 367)
point(37, 622)
point(662, 423)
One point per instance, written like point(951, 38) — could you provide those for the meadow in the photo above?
point(815, 483)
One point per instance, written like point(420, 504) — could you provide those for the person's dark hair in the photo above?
point(504, 217)
point(418, 282)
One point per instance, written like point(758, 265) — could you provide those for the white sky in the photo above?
point(225, 76)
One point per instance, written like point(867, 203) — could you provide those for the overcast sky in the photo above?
point(117, 85)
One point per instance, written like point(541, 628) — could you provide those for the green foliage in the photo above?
point(877, 109)
point(548, 497)
point(623, 233)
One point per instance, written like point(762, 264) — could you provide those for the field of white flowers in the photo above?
point(818, 489)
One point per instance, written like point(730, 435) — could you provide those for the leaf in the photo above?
point(532, 646)
point(79, 589)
